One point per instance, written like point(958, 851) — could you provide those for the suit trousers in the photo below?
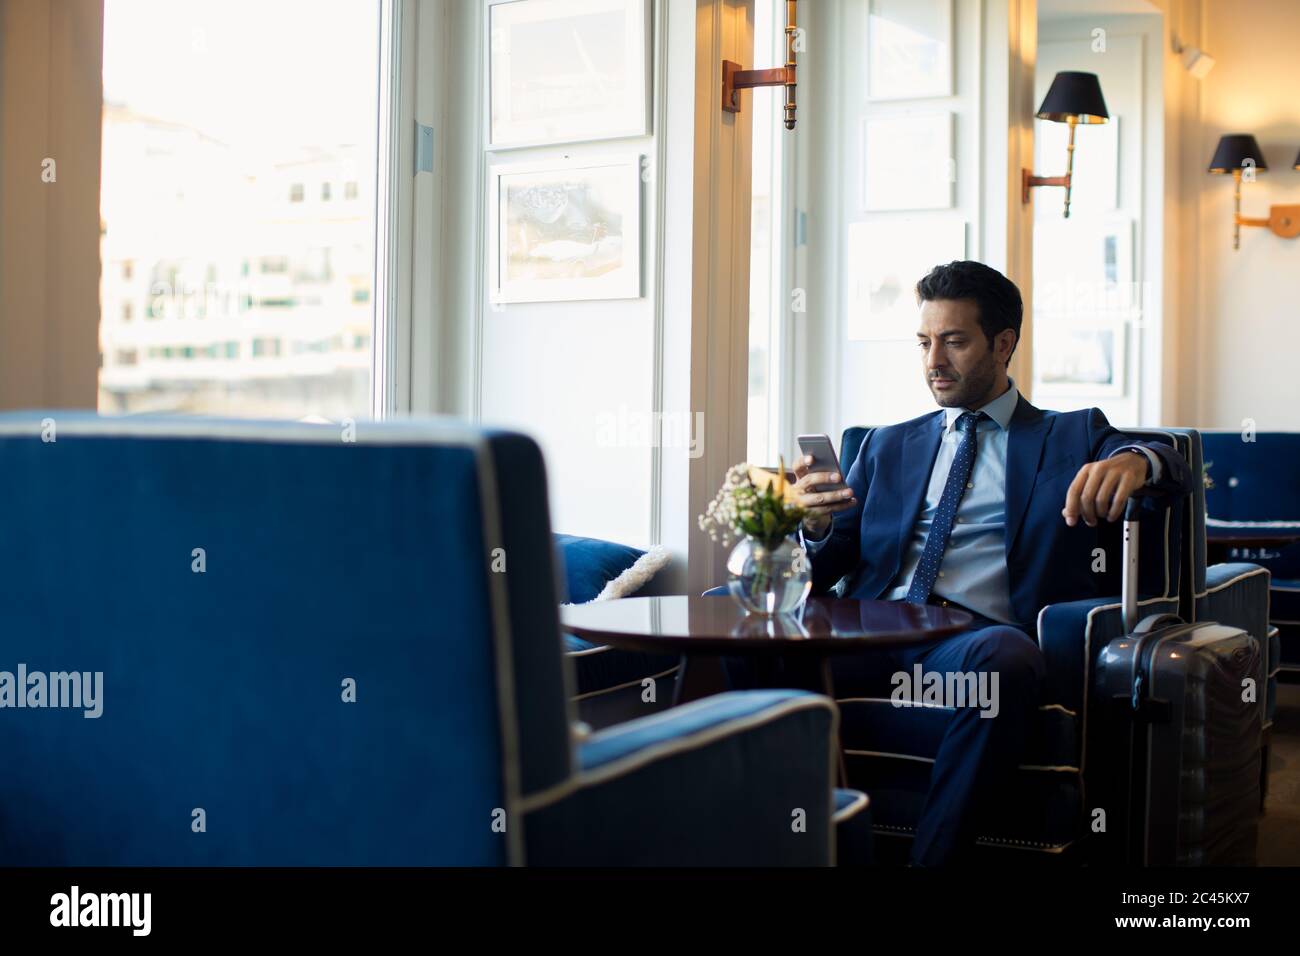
point(977, 755)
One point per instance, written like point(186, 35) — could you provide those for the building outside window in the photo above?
point(206, 173)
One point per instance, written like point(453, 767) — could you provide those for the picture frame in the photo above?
point(566, 71)
point(908, 162)
point(1084, 267)
point(1080, 359)
point(909, 49)
point(565, 230)
point(886, 257)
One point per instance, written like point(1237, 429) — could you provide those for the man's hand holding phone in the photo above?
point(820, 505)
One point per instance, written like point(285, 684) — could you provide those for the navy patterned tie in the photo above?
point(936, 542)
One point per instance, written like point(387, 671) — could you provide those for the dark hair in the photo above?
point(996, 296)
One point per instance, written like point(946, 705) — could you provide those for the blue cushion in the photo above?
point(589, 564)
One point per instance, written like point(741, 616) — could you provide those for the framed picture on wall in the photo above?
point(907, 162)
point(566, 230)
point(1072, 358)
point(563, 71)
point(909, 49)
point(886, 258)
point(1083, 267)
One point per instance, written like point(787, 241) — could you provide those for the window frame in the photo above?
point(781, 340)
point(391, 318)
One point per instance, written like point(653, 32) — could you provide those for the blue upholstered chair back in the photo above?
point(1256, 481)
point(1189, 513)
point(415, 561)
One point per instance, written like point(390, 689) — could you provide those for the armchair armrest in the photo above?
point(1237, 593)
point(1072, 633)
point(720, 782)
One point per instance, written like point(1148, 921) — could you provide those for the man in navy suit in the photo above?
point(990, 505)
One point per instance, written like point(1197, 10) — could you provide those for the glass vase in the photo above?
point(767, 580)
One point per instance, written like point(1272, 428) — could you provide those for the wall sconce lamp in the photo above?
point(1073, 98)
point(734, 79)
point(1239, 154)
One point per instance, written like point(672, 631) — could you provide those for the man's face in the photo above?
point(960, 366)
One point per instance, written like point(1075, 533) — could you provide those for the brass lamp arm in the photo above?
point(734, 79)
point(1028, 180)
point(1284, 221)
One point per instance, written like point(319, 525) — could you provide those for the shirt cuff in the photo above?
point(1157, 469)
point(812, 547)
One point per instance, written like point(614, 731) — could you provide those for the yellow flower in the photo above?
point(761, 478)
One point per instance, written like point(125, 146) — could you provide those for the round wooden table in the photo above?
point(702, 630)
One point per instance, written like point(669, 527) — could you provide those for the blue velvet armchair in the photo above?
point(317, 651)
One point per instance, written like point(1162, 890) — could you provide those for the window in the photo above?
point(767, 302)
point(204, 184)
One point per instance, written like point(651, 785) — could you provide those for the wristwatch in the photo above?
point(1146, 458)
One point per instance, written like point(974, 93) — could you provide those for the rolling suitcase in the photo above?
point(1181, 751)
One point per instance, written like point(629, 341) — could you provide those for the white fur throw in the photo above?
point(635, 577)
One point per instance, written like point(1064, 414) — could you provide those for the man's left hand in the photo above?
point(1101, 488)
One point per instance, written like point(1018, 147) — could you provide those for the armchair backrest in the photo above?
point(1189, 514)
point(850, 444)
point(313, 650)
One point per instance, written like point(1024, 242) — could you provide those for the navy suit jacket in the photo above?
point(1047, 561)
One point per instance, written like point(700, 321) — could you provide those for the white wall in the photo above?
point(1247, 326)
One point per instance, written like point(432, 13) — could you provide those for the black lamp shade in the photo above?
point(1233, 151)
point(1076, 95)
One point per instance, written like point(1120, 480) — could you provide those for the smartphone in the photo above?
point(824, 458)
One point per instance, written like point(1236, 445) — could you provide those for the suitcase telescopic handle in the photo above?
point(1129, 575)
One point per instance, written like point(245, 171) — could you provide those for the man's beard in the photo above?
point(968, 388)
